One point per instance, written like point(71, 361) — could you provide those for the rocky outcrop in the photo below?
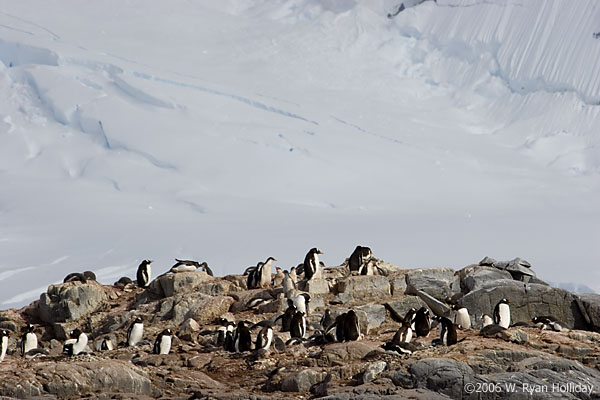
point(365, 287)
point(202, 308)
point(70, 301)
point(440, 283)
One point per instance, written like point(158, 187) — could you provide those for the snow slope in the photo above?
point(232, 131)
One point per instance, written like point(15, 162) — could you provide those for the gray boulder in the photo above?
point(372, 286)
point(301, 381)
point(70, 301)
point(169, 284)
point(373, 370)
point(370, 317)
point(589, 305)
point(202, 308)
point(478, 276)
point(405, 303)
point(339, 352)
point(440, 283)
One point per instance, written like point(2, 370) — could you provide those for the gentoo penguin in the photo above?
point(547, 322)
point(447, 331)
point(326, 319)
point(403, 335)
point(487, 320)
point(491, 330)
point(75, 277)
point(351, 326)
point(286, 317)
point(3, 343)
point(242, 340)
point(135, 331)
point(278, 278)
point(76, 344)
point(301, 301)
point(368, 268)
point(254, 275)
point(312, 267)
point(358, 257)
point(288, 284)
point(225, 328)
point(264, 338)
point(107, 344)
point(190, 265)
point(162, 344)
point(123, 281)
point(265, 273)
point(461, 317)
point(293, 275)
point(502, 313)
point(298, 326)
point(144, 273)
point(422, 322)
point(29, 340)
point(409, 318)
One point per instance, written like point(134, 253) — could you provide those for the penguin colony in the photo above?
point(237, 337)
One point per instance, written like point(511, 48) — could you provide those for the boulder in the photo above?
point(476, 277)
point(373, 370)
point(314, 286)
point(397, 283)
point(200, 307)
point(589, 305)
point(169, 284)
point(339, 352)
point(442, 375)
point(405, 303)
point(301, 381)
point(370, 317)
point(440, 283)
point(70, 301)
point(434, 304)
point(371, 286)
point(189, 330)
point(528, 301)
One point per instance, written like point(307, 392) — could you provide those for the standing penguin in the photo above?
point(265, 273)
point(422, 322)
point(286, 317)
point(301, 301)
point(135, 331)
point(264, 338)
point(288, 284)
point(254, 274)
point(312, 267)
point(358, 258)
point(293, 275)
point(3, 343)
point(242, 340)
point(106, 344)
point(162, 344)
point(29, 340)
point(351, 326)
point(447, 331)
point(278, 278)
point(461, 316)
point(326, 319)
point(403, 335)
point(502, 313)
point(76, 344)
point(298, 326)
point(144, 273)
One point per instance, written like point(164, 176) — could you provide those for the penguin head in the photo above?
point(4, 333)
point(351, 313)
point(145, 262)
point(29, 328)
point(138, 320)
point(505, 301)
point(89, 275)
point(167, 332)
point(457, 307)
point(75, 333)
point(306, 297)
point(315, 250)
point(270, 259)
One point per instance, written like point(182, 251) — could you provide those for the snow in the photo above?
point(232, 131)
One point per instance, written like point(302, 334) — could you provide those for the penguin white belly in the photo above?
point(287, 285)
point(300, 303)
point(317, 274)
point(183, 268)
point(147, 275)
point(165, 344)
point(504, 311)
point(80, 344)
point(303, 327)
point(408, 337)
point(31, 342)
point(487, 320)
point(4, 347)
point(136, 334)
point(462, 318)
point(269, 338)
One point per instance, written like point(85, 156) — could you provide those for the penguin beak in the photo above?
point(320, 252)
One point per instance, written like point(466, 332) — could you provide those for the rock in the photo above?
point(528, 300)
point(514, 335)
point(434, 304)
point(372, 286)
point(405, 303)
point(301, 381)
point(314, 286)
point(70, 301)
point(188, 330)
point(341, 298)
point(589, 304)
point(478, 276)
point(437, 282)
point(373, 370)
point(169, 284)
point(200, 307)
point(487, 261)
point(75, 379)
point(397, 283)
point(370, 317)
point(338, 352)
point(520, 270)
point(442, 375)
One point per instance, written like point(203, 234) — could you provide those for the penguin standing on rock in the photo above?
point(358, 258)
point(135, 331)
point(144, 273)
point(286, 317)
point(293, 275)
point(461, 316)
point(298, 326)
point(3, 343)
point(312, 267)
point(422, 322)
point(326, 319)
point(29, 340)
point(264, 338)
point(265, 273)
point(76, 344)
point(162, 344)
point(288, 284)
point(351, 326)
point(502, 313)
point(279, 277)
point(242, 340)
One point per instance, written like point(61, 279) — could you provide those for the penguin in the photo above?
point(123, 281)
point(90, 276)
point(144, 273)
point(254, 275)
point(106, 344)
point(312, 267)
point(29, 340)
point(242, 340)
point(491, 330)
point(403, 335)
point(447, 331)
point(76, 344)
point(338, 325)
point(286, 317)
point(75, 277)
point(351, 326)
point(422, 322)
point(326, 319)
point(265, 273)
point(301, 301)
point(162, 344)
point(461, 316)
point(288, 284)
point(278, 278)
point(264, 338)
point(502, 313)
point(358, 257)
point(293, 275)
point(368, 268)
point(298, 325)
point(135, 331)
point(3, 343)
point(547, 322)
point(487, 320)
point(225, 328)
point(190, 265)
point(409, 318)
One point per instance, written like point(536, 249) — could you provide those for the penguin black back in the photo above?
point(422, 322)
point(143, 273)
point(351, 326)
point(298, 325)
